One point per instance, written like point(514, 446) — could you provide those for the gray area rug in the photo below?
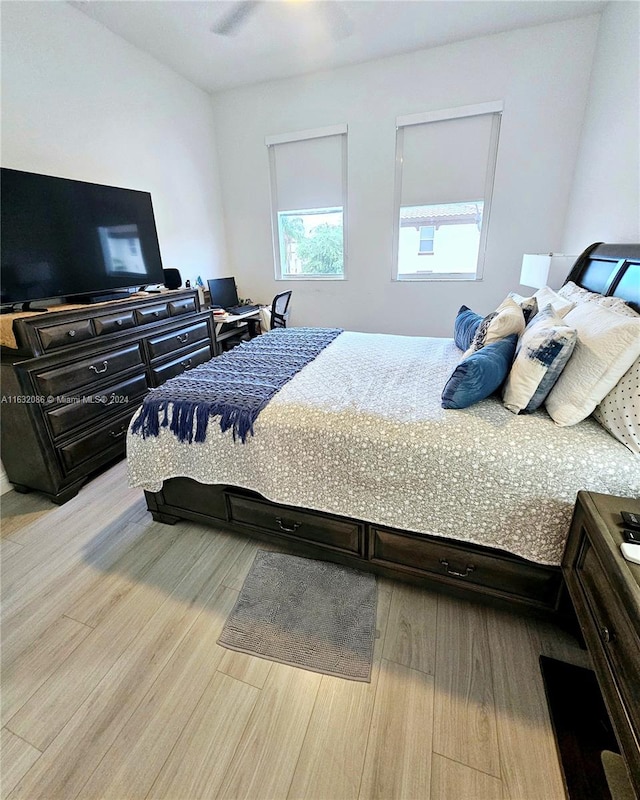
point(306, 613)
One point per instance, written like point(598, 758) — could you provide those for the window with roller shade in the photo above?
point(308, 201)
point(445, 164)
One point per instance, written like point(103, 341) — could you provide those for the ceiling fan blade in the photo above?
point(229, 24)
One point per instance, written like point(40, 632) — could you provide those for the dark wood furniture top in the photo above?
point(605, 591)
point(75, 377)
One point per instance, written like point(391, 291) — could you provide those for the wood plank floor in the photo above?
point(114, 686)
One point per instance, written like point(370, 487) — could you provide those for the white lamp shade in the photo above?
point(535, 270)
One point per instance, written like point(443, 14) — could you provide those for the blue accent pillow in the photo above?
point(480, 374)
point(465, 327)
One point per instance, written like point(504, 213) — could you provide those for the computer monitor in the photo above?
point(223, 292)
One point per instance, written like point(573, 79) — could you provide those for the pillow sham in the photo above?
point(505, 320)
point(465, 326)
point(529, 305)
point(480, 374)
point(544, 349)
point(619, 411)
point(608, 344)
point(547, 296)
point(575, 293)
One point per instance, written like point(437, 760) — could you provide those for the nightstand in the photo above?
point(605, 591)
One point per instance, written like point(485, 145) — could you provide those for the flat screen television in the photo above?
point(66, 238)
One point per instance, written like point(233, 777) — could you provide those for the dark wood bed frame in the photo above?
point(458, 567)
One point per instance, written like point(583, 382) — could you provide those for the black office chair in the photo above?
point(280, 310)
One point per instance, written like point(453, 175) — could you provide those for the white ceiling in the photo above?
point(282, 38)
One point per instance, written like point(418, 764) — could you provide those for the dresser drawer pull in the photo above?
point(468, 569)
point(283, 527)
point(156, 313)
point(119, 322)
point(186, 364)
point(182, 338)
point(118, 434)
point(105, 366)
point(605, 634)
point(71, 332)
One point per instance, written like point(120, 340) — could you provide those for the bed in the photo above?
point(354, 460)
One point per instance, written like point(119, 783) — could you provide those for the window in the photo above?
point(425, 247)
point(308, 203)
point(445, 164)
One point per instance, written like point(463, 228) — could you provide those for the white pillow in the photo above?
point(619, 411)
point(560, 305)
point(571, 291)
point(505, 320)
point(543, 351)
point(608, 344)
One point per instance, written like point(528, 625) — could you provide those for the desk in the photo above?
point(233, 326)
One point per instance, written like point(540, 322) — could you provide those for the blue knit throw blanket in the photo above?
point(235, 386)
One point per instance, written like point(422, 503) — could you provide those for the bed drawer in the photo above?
point(75, 375)
point(504, 575)
point(177, 340)
point(619, 640)
point(338, 534)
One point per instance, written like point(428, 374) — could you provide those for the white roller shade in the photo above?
point(308, 174)
point(446, 161)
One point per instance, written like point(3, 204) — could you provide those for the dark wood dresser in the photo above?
point(605, 591)
point(74, 378)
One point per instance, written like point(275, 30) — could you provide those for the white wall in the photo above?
point(605, 198)
point(80, 102)
point(542, 76)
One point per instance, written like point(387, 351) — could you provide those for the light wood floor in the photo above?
point(114, 686)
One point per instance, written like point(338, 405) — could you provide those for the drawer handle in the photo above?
point(71, 333)
point(468, 569)
point(118, 434)
point(283, 527)
point(606, 634)
point(186, 364)
point(156, 313)
point(183, 337)
point(105, 366)
point(119, 322)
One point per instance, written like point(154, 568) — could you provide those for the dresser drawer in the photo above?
point(74, 376)
point(177, 340)
point(148, 314)
point(179, 365)
point(335, 533)
point(457, 565)
point(100, 445)
point(184, 306)
point(112, 323)
point(65, 335)
point(619, 639)
point(107, 400)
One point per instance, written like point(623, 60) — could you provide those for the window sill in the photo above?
point(466, 278)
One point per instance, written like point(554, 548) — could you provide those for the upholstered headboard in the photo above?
point(610, 269)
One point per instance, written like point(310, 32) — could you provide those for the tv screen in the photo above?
point(62, 237)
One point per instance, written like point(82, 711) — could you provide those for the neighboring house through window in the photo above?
point(445, 164)
point(308, 203)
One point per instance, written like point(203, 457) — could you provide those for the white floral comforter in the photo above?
point(359, 432)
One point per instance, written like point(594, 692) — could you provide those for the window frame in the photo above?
point(422, 239)
point(313, 133)
point(494, 108)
